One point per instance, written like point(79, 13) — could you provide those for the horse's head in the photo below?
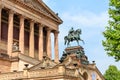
point(78, 31)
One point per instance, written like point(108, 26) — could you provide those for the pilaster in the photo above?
point(56, 51)
point(21, 35)
point(31, 40)
point(0, 20)
point(40, 42)
point(10, 32)
point(49, 43)
point(1, 7)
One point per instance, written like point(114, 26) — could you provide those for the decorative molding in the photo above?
point(29, 59)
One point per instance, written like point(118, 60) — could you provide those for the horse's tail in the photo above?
point(83, 41)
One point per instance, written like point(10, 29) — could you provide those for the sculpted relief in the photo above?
point(34, 4)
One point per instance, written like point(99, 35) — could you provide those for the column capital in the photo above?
point(2, 6)
point(56, 32)
point(11, 12)
point(32, 21)
point(48, 29)
point(21, 16)
point(41, 25)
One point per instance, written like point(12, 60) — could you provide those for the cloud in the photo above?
point(87, 19)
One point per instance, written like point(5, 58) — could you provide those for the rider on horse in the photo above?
point(73, 36)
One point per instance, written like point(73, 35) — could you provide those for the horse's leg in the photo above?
point(68, 43)
point(65, 42)
point(77, 42)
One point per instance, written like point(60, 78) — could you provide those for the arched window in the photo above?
point(85, 76)
point(93, 76)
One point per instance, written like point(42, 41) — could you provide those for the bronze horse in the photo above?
point(73, 36)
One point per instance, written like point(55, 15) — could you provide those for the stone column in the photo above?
point(40, 46)
point(31, 40)
point(0, 21)
point(21, 35)
point(49, 43)
point(10, 32)
point(56, 52)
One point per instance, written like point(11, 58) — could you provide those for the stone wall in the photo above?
point(4, 66)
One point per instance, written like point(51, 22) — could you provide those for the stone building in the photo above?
point(25, 45)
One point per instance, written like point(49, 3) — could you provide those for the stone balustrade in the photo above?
point(11, 76)
point(45, 73)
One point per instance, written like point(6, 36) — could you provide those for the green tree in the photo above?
point(112, 73)
point(112, 32)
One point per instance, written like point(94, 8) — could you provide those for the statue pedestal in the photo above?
point(73, 49)
point(75, 52)
point(15, 54)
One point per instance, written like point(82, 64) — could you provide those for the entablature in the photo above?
point(29, 12)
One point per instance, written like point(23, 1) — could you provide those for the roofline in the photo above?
point(51, 11)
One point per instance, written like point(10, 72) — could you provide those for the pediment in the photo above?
point(46, 63)
point(39, 5)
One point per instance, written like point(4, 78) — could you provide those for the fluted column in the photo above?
point(31, 40)
point(10, 33)
point(0, 21)
point(56, 52)
point(49, 43)
point(40, 42)
point(21, 35)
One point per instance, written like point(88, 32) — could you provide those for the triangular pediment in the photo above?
point(39, 5)
point(46, 63)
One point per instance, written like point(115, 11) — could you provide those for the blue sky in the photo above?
point(90, 16)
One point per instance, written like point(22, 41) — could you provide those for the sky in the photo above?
point(91, 17)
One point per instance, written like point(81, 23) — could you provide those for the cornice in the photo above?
point(54, 14)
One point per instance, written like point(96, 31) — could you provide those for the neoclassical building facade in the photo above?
point(25, 45)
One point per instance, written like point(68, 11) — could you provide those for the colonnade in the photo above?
point(31, 37)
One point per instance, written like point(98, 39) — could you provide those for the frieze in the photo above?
point(70, 72)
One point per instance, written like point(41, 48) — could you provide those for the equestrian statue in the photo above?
point(73, 35)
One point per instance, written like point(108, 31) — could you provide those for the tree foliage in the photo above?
point(112, 32)
point(112, 73)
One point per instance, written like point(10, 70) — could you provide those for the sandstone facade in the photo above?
point(25, 45)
